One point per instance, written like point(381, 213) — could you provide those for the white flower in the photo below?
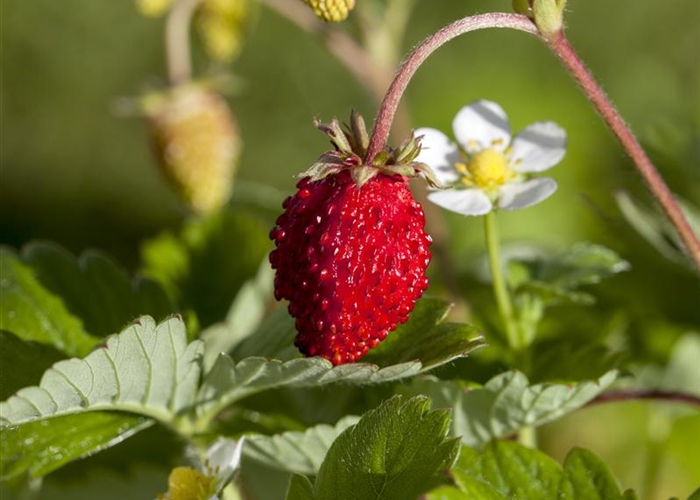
point(485, 169)
point(222, 460)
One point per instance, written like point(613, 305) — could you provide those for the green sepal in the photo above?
point(362, 174)
point(351, 142)
point(428, 174)
point(549, 16)
point(335, 133)
point(358, 136)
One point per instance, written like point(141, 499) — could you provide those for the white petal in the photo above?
point(439, 153)
point(463, 201)
point(524, 194)
point(538, 147)
point(481, 125)
point(226, 455)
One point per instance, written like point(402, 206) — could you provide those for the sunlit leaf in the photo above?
point(146, 369)
point(426, 337)
point(300, 488)
point(509, 470)
point(44, 446)
point(30, 311)
point(294, 451)
point(244, 317)
point(507, 403)
point(95, 289)
point(273, 338)
point(229, 381)
point(396, 451)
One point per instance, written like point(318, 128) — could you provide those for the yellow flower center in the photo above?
point(186, 483)
point(487, 169)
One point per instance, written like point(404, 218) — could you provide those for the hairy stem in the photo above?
point(651, 394)
point(374, 72)
point(505, 307)
point(565, 52)
point(387, 109)
point(177, 40)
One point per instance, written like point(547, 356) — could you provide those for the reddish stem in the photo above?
point(387, 109)
point(653, 394)
point(561, 47)
point(565, 52)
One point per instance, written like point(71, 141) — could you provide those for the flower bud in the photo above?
point(196, 141)
point(331, 10)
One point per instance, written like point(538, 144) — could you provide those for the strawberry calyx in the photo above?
point(350, 142)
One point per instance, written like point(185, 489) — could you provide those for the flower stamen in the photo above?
point(488, 169)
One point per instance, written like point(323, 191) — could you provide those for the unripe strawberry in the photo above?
point(352, 250)
point(331, 10)
point(196, 141)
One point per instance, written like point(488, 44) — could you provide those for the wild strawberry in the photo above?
point(197, 144)
point(351, 248)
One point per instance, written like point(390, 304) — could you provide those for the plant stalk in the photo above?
point(505, 307)
point(392, 98)
point(563, 50)
point(566, 54)
point(177, 41)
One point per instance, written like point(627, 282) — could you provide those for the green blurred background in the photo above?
point(74, 171)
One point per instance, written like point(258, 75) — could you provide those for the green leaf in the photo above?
point(570, 359)
point(509, 470)
point(556, 279)
point(44, 446)
point(683, 370)
point(244, 317)
point(426, 338)
point(507, 403)
point(228, 381)
point(423, 337)
point(300, 488)
point(512, 470)
point(204, 266)
point(655, 228)
point(96, 289)
point(695, 495)
point(27, 359)
point(146, 369)
point(589, 477)
point(395, 451)
point(298, 452)
point(31, 312)
point(274, 338)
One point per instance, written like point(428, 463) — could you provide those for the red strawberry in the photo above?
point(351, 247)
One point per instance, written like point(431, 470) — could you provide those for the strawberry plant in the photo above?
point(424, 316)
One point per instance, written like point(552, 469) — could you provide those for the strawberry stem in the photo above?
point(177, 40)
point(558, 43)
point(573, 64)
point(392, 98)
